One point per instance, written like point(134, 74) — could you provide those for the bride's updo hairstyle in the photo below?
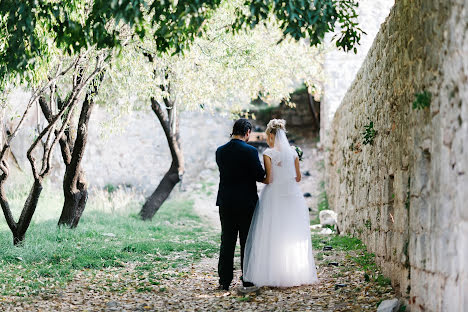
point(274, 125)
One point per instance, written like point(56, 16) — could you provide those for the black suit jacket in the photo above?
point(239, 169)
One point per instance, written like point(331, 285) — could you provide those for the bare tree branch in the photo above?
point(64, 143)
point(68, 106)
point(3, 199)
point(33, 99)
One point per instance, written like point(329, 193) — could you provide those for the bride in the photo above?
point(278, 251)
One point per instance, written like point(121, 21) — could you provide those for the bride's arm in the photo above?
point(298, 170)
point(267, 162)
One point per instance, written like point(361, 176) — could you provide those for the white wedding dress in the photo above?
point(278, 251)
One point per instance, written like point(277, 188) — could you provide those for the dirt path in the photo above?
point(135, 287)
point(193, 288)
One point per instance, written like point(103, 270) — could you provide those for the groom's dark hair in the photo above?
point(241, 126)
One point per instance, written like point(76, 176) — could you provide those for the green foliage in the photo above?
point(330, 226)
point(31, 29)
point(319, 256)
point(369, 133)
point(299, 152)
point(357, 253)
point(51, 256)
point(323, 201)
point(243, 298)
point(221, 71)
point(300, 19)
point(422, 100)
point(338, 242)
point(382, 280)
point(366, 261)
point(110, 188)
point(368, 224)
point(205, 188)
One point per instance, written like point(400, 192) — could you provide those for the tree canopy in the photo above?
point(32, 30)
point(221, 69)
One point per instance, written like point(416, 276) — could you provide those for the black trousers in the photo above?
point(234, 221)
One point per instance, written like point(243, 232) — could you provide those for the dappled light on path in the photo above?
point(343, 286)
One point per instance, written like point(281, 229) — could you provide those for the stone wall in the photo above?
point(340, 67)
point(300, 114)
point(406, 196)
point(131, 150)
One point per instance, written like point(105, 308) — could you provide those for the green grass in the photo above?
point(382, 280)
point(356, 251)
point(338, 242)
point(50, 256)
point(205, 188)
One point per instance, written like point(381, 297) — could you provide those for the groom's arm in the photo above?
point(217, 157)
point(258, 169)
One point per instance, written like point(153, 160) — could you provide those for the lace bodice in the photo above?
point(282, 168)
point(275, 155)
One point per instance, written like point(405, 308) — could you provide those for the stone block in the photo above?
point(462, 247)
point(435, 289)
point(400, 217)
point(418, 288)
point(419, 214)
point(419, 252)
point(453, 299)
point(380, 247)
point(461, 198)
point(384, 218)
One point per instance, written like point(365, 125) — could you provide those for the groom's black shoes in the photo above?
point(223, 287)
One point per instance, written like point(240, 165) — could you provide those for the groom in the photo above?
point(239, 169)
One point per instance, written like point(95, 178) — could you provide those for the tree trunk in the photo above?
point(19, 228)
point(28, 211)
point(313, 111)
point(75, 187)
point(170, 124)
point(162, 192)
point(76, 197)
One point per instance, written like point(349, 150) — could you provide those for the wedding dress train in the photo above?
point(278, 251)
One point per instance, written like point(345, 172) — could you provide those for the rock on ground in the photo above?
point(389, 306)
point(328, 217)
